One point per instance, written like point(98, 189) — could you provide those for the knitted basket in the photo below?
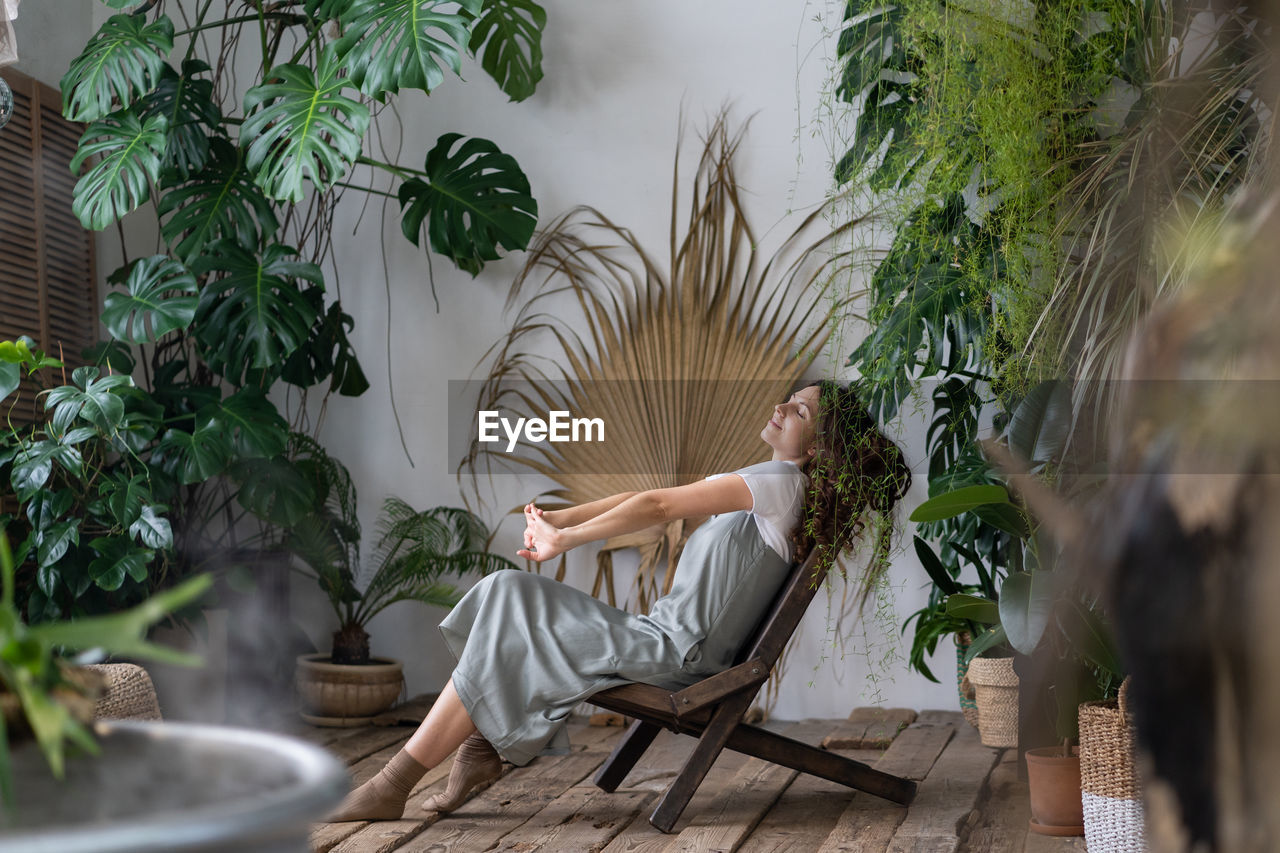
point(1113, 819)
point(129, 693)
point(995, 686)
point(968, 705)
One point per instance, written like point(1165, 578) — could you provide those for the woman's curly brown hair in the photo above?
point(856, 475)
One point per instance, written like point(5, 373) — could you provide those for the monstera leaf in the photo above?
point(507, 39)
point(394, 44)
point(145, 313)
point(194, 457)
point(132, 151)
point(301, 125)
point(251, 313)
point(219, 202)
point(188, 104)
point(256, 429)
point(125, 59)
point(1041, 423)
point(477, 199)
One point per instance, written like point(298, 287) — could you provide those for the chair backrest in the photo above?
point(780, 621)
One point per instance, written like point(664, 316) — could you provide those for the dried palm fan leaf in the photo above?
point(682, 364)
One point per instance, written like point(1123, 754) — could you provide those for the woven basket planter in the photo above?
point(995, 687)
point(968, 704)
point(345, 695)
point(129, 693)
point(1113, 818)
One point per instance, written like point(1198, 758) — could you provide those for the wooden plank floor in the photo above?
point(970, 799)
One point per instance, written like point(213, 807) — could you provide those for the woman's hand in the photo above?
point(542, 539)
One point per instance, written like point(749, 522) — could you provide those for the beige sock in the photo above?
point(475, 764)
point(382, 797)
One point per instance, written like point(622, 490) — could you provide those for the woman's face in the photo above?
point(793, 426)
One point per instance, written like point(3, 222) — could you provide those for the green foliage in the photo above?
point(507, 38)
point(219, 202)
point(132, 151)
point(252, 313)
point(301, 125)
point(122, 61)
point(473, 200)
point(32, 669)
point(125, 490)
point(150, 310)
point(415, 552)
point(389, 44)
point(191, 112)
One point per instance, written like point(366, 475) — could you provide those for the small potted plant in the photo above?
point(416, 551)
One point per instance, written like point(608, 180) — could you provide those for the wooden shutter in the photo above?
point(48, 281)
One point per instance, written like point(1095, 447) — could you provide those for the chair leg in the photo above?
point(625, 755)
point(710, 744)
point(762, 743)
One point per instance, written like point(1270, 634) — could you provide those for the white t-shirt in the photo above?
point(777, 499)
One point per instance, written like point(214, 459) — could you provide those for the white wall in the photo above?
point(601, 131)
point(51, 33)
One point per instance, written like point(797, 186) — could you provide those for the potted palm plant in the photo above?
point(415, 553)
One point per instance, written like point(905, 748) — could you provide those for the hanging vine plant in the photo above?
point(1036, 159)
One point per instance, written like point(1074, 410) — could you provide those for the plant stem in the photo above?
point(244, 19)
point(365, 189)
point(191, 45)
point(400, 171)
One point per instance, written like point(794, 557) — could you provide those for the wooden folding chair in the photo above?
point(712, 711)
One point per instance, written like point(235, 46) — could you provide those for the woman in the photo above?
point(529, 649)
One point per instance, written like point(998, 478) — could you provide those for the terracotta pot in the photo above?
point(344, 695)
point(1054, 780)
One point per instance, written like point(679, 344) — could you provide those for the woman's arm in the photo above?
point(570, 516)
point(640, 510)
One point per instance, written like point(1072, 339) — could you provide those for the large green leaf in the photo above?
point(196, 456)
point(117, 557)
point(390, 44)
point(125, 633)
point(327, 354)
point(252, 314)
point(273, 490)
point(1041, 423)
point(992, 638)
point(154, 305)
point(254, 425)
point(219, 202)
point(189, 106)
point(53, 542)
point(1091, 638)
point(1026, 602)
point(10, 378)
point(123, 60)
point(125, 496)
point(958, 501)
point(152, 528)
point(507, 38)
point(301, 125)
point(132, 152)
point(937, 571)
point(477, 200)
point(91, 397)
point(974, 608)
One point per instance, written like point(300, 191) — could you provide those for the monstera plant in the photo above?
point(243, 166)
